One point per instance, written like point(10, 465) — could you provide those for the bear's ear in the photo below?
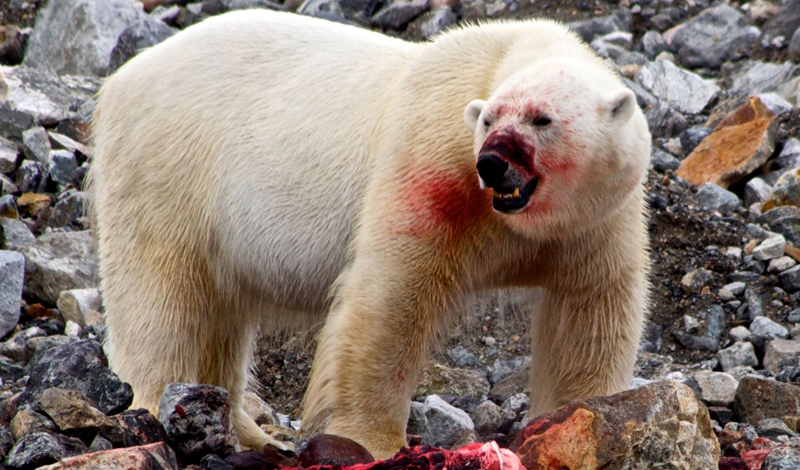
point(472, 112)
point(622, 103)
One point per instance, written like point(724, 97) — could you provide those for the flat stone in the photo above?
point(742, 142)
point(147, 457)
point(736, 288)
point(772, 247)
point(739, 354)
point(438, 378)
point(713, 36)
point(779, 349)
point(84, 37)
point(14, 234)
point(12, 265)
point(739, 334)
point(758, 398)
point(56, 262)
point(658, 425)
point(773, 427)
point(775, 103)
point(716, 388)
point(765, 328)
point(681, 89)
point(76, 415)
point(756, 77)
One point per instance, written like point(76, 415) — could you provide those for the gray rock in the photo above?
point(643, 98)
point(743, 276)
point(782, 458)
point(81, 366)
point(75, 305)
point(773, 427)
point(691, 137)
point(487, 417)
point(776, 104)
point(662, 161)
point(31, 176)
point(501, 369)
point(778, 350)
point(42, 448)
point(763, 77)
point(790, 279)
point(794, 47)
point(739, 354)
point(665, 121)
point(713, 198)
point(590, 29)
point(765, 328)
point(10, 372)
point(694, 281)
point(445, 423)
point(85, 37)
point(398, 13)
point(779, 265)
point(12, 267)
point(36, 347)
point(461, 357)
point(68, 210)
point(715, 321)
point(785, 22)
point(417, 422)
point(755, 304)
point(57, 262)
point(786, 190)
point(682, 90)
point(653, 44)
point(36, 144)
point(772, 247)
point(784, 220)
point(328, 9)
point(197, 420)
point(432, 23)
point(14, 234)
point(62, 166)
point(716, 388)
point(739, 334)
point(8, 156)
point(713, 36)
point(790, 154)
point(756, 191)
point(516, 403)
point(794, 316)
point(736, 288)
point(15, 348)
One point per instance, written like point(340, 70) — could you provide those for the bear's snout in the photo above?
point(492, 169)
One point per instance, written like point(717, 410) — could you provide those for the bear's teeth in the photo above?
point(516, 192)
point(507, 195)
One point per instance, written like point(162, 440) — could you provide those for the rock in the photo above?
point(84, 37)
point(398, 13)
point(662, 161)
point(501, 369)
point(432, 23)
point(694, 281)
point(756, 191)
point(712, 198)
point(41, 448)
point(36, 144)
point(27, 421)
point(778, 350)
point(76, 415)
point(327, 9)
point(8, 205)
point(766, 328)
point(438, 378)
point(76, 305)
point(658, 425)
point(515, 383)
point(461, 357)
point(652, 44)
point(83, 367)
point(758, 398)
point(776, 104)
point(682, 90)
point(445, 423)
point(716, 388)
point(68, 210)
point(772, 247)
point(784, 220)
point(62, 166)
point(45, 98)
point(691, 137)
point(738, 354)
point(197, 420)
point(773, 427)
point(790, 279)
point(12, 265)
point(487, 417)
point(764, 77)
point(779, 265)
point(789, 157)
point(713, 36)
point(782, 458)
point(327, 449)
point(740, 333)
point(785, 192)
point(785, 22)
point(30, 177)
point(140, 427)
point(148, 457)
point(590, 29)
point(664, 121)
point(57, 262)
point(14, 234)
point(794, 47)
point(10, 372)
point(742, 142)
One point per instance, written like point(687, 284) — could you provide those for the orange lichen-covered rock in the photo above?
point(740, 143)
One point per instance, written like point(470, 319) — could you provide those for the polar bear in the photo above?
point(263, 164)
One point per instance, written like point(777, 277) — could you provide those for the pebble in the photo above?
point(42, 448)
point(56, 262)
point(756, 191)
point(790, 279)
point(778, 350)
point(461, 357)
point(694, 281)
point(487, 417)
point(713, 198)
point(682, 90)
point(445, 424)
point(773, 427)
point(662, 161)
point(766, 328)
point(716, 388)
point(739, 333)
point(12, 267)
point(712, 37)
point(739, 354)
point(779, 265)
point(783, 458)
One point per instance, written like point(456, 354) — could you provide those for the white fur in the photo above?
point(267, 164)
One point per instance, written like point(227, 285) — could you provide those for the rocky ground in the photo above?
point(720, 85)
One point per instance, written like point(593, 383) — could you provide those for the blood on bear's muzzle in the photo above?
point(511, 191)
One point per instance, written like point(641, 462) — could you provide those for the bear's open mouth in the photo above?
point(511, 200)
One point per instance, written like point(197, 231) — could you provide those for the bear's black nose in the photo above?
point(492, 169)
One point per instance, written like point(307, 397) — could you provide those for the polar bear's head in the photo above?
point(561, 146)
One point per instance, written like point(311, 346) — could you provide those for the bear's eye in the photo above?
point(542, 121)
point(487, 123)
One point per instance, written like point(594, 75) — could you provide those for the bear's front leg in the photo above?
point(585, 337)
point(369, 354)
